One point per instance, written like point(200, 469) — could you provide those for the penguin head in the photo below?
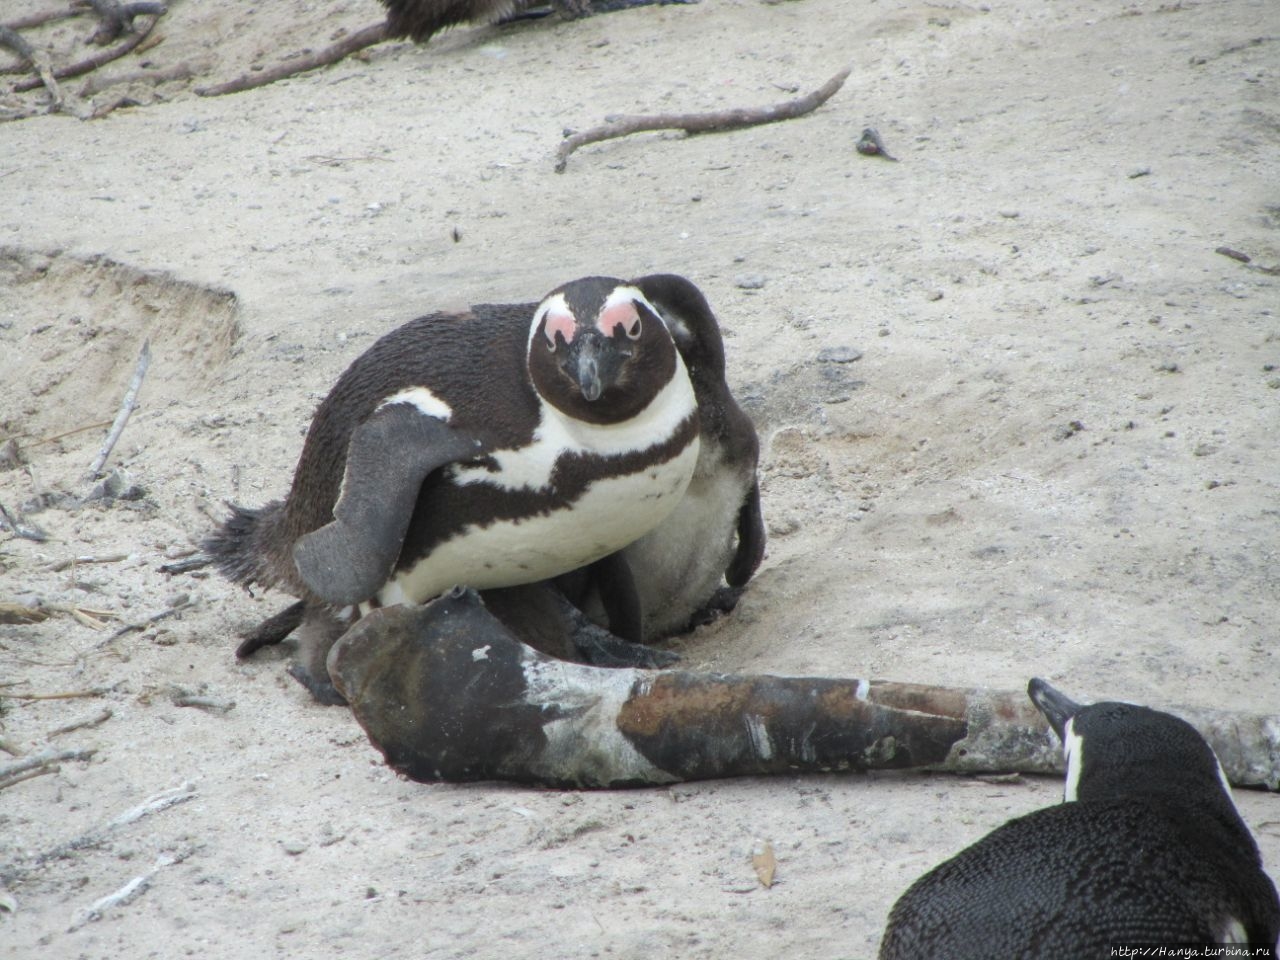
point(1116, 749)
point(598, 350)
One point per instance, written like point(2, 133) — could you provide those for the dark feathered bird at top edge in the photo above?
point(1147, 847)
point(418, 20)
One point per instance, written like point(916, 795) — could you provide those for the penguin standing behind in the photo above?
point(1148, 848)
point(504, 446)
point(716, 531)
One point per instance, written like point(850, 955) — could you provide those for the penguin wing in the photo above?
point(751, 539)
point(348, 559)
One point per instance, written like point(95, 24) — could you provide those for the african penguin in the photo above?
point(418, 20)
point(503, 446)
point(716, 532)
point(1146, 848)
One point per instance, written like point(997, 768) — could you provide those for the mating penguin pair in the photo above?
point(1147, 848)
point(506, 446)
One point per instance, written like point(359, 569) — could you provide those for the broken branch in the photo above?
point(18, 869)
point(127, 407)
point(97, 60)
point(691, 123)
point(102, 716)
point(351, 43)
point(44, 762)
point(45, 76)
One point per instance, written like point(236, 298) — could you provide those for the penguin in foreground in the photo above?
point(716, 533)
point(1147, 848)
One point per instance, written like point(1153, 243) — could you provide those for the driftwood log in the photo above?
point(447, 693)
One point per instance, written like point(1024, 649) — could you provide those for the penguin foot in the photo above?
point(599, 648)
point(722, 601)
point(323, 691)
point(271, 630)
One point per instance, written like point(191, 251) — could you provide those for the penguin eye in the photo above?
point(633, 332)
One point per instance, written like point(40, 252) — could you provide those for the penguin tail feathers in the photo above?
point(241, 546)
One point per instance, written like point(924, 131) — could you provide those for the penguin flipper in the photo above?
point(388, 457)
point(751, 538)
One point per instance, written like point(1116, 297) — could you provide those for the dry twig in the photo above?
point(691, 123)
point(122, 417)
point(102, 716)
point(351, 43)
point(45, 75)
point(18, 869)
point(61, 695)
point(46, 761)
point(97, 60)
point(212, 704)
point(20, 527)
point(81, 561)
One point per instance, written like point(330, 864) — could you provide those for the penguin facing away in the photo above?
point(1147, 848)
point(716, 532)
point(504, 446)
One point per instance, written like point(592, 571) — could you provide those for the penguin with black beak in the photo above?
point(1146, 849)
point(503, 446)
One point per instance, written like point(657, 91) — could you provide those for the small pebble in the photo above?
point(293, 847)
point(839, 354)
point(749, 281)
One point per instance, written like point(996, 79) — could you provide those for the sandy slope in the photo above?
point(1056, 455)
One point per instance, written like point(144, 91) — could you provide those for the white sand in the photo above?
point(1042, 256)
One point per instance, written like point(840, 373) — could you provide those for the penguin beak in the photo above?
point(1056, 706)
point(589, 370)
point(594, 362)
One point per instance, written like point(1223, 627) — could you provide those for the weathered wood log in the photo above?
point(447, 693)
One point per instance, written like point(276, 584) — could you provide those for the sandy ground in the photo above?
point(1056, 454)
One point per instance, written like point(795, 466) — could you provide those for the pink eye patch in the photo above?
point(611, 317)
point(561, 323)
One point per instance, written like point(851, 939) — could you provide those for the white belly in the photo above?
point(610, 514)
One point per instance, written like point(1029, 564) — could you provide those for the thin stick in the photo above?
point(45, 76)
point(20, 527)
point(126, 408)
point(97, 60)
point(204, 703)
point(29, 775)
point(135, 887)
point(39, 761)
point(153, 804)
point(78, 561)
point(692, 123)
point(40, 19)
point(102, 716)
point(351, 43)
point(154, 618)
point(62, 695)
point(18, 613)
point(16, 870)
point(70, 433)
